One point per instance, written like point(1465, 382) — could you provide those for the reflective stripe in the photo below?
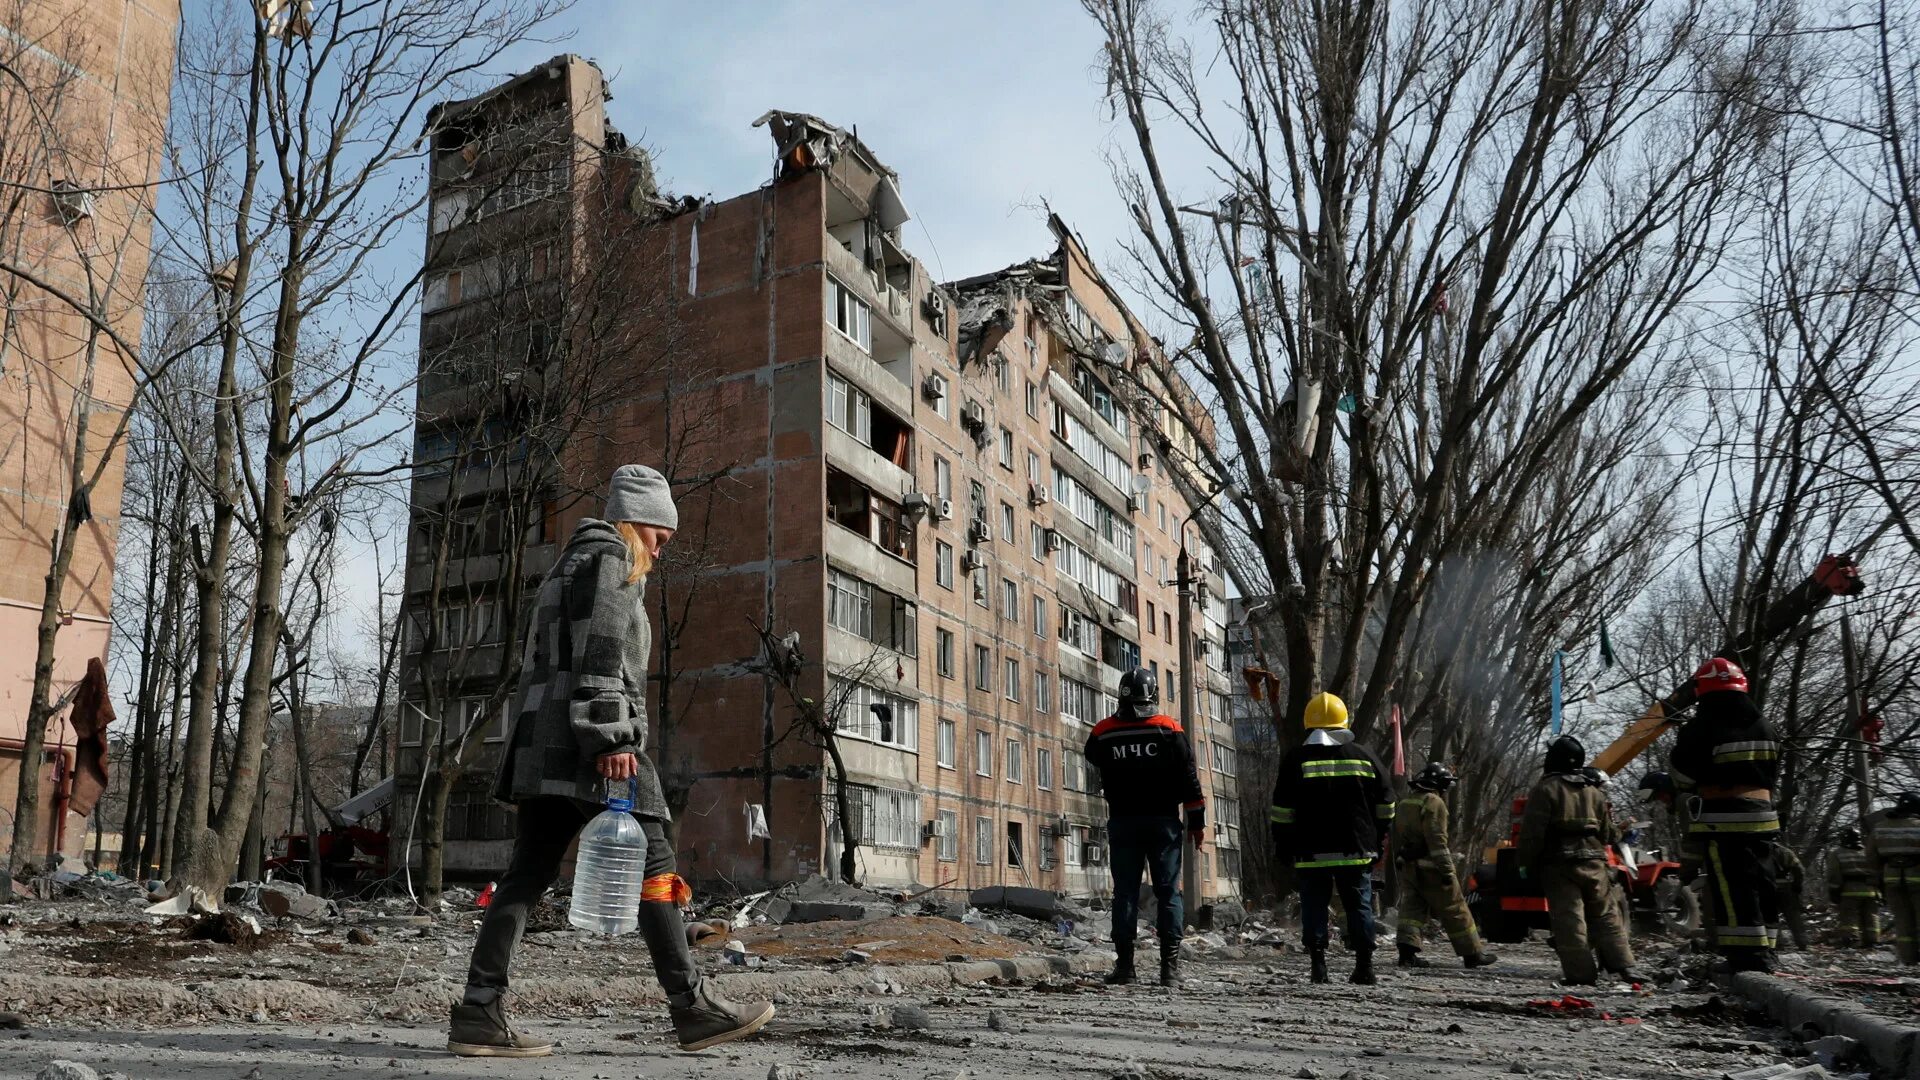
point(1750, 750)
point(1280, 815)
point(1321, 862)
point(1861, 894)
point(1751, 936)
point(1318, 770)
point(1383, 811)
point(1713, 821)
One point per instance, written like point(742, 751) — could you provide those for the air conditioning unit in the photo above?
point(1095, 855)
point(916, 504)
point(933, 388)
point(978, 531)
point(1051, 539)
point(943, 510)
point(1061, 826)
point(934, 307)
point(1133, 504)
point(973, 415)
point(971, 561)
point(1037, 495)
point(72, 202)
point(933, 830)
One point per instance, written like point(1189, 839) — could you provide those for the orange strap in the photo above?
point(666, 888)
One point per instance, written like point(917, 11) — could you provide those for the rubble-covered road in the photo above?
point(1255, 1017)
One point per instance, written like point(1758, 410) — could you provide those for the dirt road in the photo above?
point(1257, 1018)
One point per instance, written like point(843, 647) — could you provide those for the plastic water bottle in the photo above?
point(609, 870)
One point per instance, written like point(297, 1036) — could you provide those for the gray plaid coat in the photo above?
point(583, 678)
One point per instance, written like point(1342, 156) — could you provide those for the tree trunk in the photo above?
point(849, 841)
point(433, 834)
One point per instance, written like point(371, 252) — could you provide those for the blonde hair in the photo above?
point(637, 549)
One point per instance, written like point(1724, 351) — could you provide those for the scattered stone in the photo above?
point(258, 1016)
point(1764, 1072)
point(1518, 1068)
point(252, 1074)
point(782, 998)
point(66, 1070)
point(1374, 1051)
point(12, 1021)
point(1454, 1029)
point(911, 1018)
point(856, 956)
point(1831, 1050)
point(360, 935)
point(285, 899)
point(789, 1072)
point(1306, 1073)
point(995, 1021)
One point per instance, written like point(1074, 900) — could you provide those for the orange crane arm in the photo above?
point(1634, 741)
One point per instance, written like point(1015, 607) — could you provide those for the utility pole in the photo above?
point(1184, 578)
point(1856, 715)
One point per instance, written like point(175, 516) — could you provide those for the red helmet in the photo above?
point(1719, 673)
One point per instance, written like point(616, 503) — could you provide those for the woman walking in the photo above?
point(580, 721)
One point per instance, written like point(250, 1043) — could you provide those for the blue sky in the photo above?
point(985, 108)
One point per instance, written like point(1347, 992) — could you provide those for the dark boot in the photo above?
point(1483, 958)
point(701, 1016)
point(1122, 973)
point(483, 1031)
point(1362, 969)
point(1318, 957)
point(1628, 975)
point(1410, 958)
point(1170, 962)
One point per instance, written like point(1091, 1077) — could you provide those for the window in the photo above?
point(849, 603)
point(1223, 760)
point(1077, 839)
point(1042, 692)
point(1037, 540)
point(1045, 849)
point(1033, 399)
point(1078, 701)
point(1012, 679)
point(978, 494)
point(882, 818)
point(1166, 620)
point(979, 579)
point(947, 839)
point(1016, 846)
point(943, 747)
point(943, 564)
point(1004, 371)
point(940, 406)
point(874, 715)
point(1006, 449)
point(1079, 632)
point(1105, 582)
point(982, 668)
point(942, 478)
point(1043, 769)
point(1163, 516)
point(849, 408)
point(943, 652)
point(1006, 522)
point(1072, 770)
point(1009, 600)
point(1153, 619)
point(849, 314)
point(1016, 762)
point(982, 754)
point(412, 724)
point(1114, 528)
point(1039, 615)
point(1090, 449)
point(1033, 467)
point(983, 841)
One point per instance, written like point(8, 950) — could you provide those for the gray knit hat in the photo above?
point(640, 495)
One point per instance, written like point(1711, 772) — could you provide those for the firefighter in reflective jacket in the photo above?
point(1724, 762)
point(1893, 852)
point(1854, 888)
point(1330, 815)
point(1145, 769)
point(1564, 836)
point(1429, 887)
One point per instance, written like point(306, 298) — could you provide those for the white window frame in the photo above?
point(947, 843)
point(946, 744)
point(1043, 768)
point(1011, 676)
point(1042, 692)
point(983, 762)
point(944, 649)
point(845, 306)
point(1016, 766)
point(983, 841)
point(982, 668)
point(943, 564)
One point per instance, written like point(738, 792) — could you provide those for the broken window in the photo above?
point(849, 314)
point(885, 523)
point(1015, 846)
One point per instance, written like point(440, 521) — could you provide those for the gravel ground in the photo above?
point(1232, 1018)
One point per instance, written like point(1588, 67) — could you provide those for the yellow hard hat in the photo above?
point(1326, 711)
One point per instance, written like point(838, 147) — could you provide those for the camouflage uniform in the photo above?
point(1428, 886)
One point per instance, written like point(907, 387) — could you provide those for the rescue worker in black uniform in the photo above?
point(1145, 768)
point(1854, 888)
point(1331, 809)
point(1724, 762)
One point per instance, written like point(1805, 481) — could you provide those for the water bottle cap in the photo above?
point(620, 806)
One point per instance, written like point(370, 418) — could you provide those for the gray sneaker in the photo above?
point(709, 1019)
point(483, 1031)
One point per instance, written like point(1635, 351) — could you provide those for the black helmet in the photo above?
point(1850, 838)
point(1565, 755)
point(1907, 803)
point(1656, 784)
point(1435, 777)
point(1139, 688)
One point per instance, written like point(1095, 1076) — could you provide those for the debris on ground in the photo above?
point(66, 1070)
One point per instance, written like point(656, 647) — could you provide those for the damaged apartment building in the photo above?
point(953, 495)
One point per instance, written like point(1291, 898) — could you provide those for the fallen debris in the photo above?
point(66, 1070)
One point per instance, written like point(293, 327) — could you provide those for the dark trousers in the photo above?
point(1742, 892)
point(546, 828)
point(1317, 888)
point(1150, 845)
